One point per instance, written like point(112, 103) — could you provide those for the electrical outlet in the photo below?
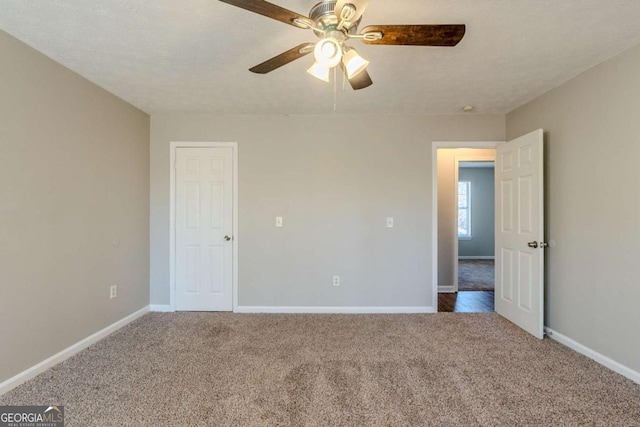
point(113, 291)
point(336, 280)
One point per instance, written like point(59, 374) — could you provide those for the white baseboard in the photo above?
point(446, 289)
point(161, 308)
point(35, 370)
point(476, 257)
point(336, 310)
point(592, 354)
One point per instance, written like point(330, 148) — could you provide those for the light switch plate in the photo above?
point(279, 221)
point(389, 222)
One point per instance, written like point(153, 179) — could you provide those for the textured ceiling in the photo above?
point(192, 56)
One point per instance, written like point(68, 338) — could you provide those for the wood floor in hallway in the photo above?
point(466, 302)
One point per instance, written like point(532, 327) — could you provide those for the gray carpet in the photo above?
point(199, 369)
point(476, 275)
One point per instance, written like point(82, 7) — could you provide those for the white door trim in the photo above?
point(174, 145)
point(434, 201)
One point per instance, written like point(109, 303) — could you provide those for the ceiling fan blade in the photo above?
point(416, 35)
point(360, 6)
point(359, 81)
point(283, 59)
point(270, 11)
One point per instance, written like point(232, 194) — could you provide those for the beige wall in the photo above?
point(334, 179)
point(74, 176)
point(447, 206)
point(592, 143)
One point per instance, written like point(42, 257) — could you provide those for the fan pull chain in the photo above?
point(335, 90)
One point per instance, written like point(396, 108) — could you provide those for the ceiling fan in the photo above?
point(336, 22)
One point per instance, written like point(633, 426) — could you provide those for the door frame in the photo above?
point(434, 192)
point(174, 145)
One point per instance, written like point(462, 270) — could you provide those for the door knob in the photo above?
point(227, 237)
point(534, 245)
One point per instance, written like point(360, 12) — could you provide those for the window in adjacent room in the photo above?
point(464, 210)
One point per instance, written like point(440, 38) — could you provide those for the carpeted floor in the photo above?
point(201, 369)
point(476, 275)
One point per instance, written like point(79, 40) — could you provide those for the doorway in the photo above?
point(474, 221)
point(519, 227)
point(475, 256)
point(465, 220)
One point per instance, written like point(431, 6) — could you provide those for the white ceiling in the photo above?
point(192, 56)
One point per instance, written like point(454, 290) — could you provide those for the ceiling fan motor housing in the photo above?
point(323, 8)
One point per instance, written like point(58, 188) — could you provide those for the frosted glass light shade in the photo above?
point(319, 71)
point(328, 52)
point(354, 64)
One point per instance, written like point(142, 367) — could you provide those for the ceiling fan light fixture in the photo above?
point(319, 71)
point(354, 64)
point(328, 52)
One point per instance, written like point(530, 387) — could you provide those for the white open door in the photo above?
point(519, 294)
